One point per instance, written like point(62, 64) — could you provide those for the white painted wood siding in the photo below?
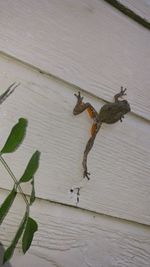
point(73, 237)
point(54, 49)
point(87, 43)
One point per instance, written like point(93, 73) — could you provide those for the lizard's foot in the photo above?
point(86, 174)
point(122, 117)
point(120, 94)
point(79, 97)
point(122, 91)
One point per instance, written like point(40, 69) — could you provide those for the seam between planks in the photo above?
point(86, 210)
point(129, 13)
point(58, 79)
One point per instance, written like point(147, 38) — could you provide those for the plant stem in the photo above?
point(14, 179)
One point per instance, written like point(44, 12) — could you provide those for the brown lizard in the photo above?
point(109, 113)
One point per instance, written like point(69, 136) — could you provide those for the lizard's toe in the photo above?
point(86, 174)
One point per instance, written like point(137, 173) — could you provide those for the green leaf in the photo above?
point(32, 197)
point(31, 168)
point(10, 250)
point(15, 137)
point(7, 204)
point(31, 228)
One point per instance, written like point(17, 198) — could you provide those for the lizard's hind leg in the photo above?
point(86, 151)
point(89, 145)
point(81, 106)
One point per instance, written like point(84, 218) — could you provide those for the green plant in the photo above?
point(28, 225)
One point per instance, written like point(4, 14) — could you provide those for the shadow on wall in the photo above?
point(1, 257)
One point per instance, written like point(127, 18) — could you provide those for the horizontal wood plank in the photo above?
point(72, 237)
point(118, 162)
point(86, 43)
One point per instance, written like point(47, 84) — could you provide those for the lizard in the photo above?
point(109, 113)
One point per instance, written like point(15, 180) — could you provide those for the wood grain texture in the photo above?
point(86, 43)
point(119, 185)
point(70, 237)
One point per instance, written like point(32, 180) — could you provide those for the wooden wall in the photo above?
point(55, 48)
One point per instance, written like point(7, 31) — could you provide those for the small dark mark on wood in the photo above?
point(76, 190)
point(42, 72)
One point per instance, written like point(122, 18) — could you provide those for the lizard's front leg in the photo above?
point(120, 94)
